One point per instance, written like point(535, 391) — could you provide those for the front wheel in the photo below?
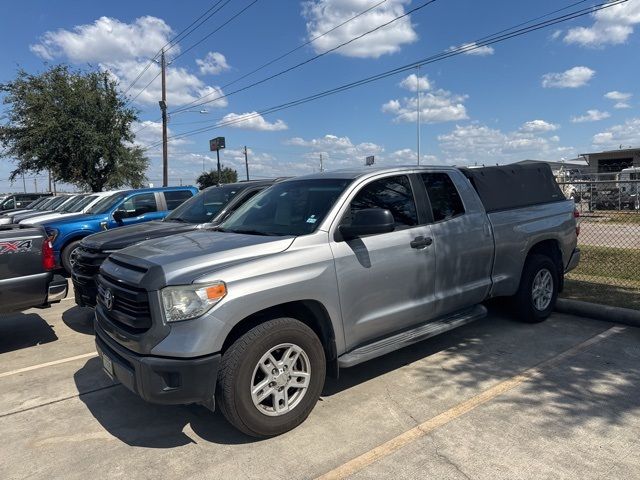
point(538, 291)
point(69, 254)
point(271, 377)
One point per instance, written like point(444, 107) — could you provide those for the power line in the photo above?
point(271, 62)
point(309, 60)
point(171, 43)
point(465, 48)
point(227, 22)
point(280, 57)
point(192, 46)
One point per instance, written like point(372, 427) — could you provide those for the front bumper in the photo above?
point(85, 289)
point(58, 289)
point(168, 381)
point(573, 261)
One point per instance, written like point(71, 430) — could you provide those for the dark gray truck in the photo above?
point(204, 210)
point(26, 269)
point(324, 272)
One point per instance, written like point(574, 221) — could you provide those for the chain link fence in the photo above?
point(609, 207)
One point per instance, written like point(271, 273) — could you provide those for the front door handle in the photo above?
point(421, 242)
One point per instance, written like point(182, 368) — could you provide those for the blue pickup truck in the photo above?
point(126, 207)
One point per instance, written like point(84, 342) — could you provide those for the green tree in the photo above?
point(227, 175)
point(75, 124)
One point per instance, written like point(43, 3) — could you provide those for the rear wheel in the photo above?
point(538, 291)
point(271, 377)
point(69, 254)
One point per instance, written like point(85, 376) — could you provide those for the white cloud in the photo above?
point(124, 49)
point(473, 49)
point(618, 96)
point(435, 106)
point(252, 121)
point(323, 15)
point(625, 135)
point(612, 26)
point(573, 78)
point(556, 34)
point(621, 105)
point(214, 63)
point(535, 126)
point(150, 133)
point(591, 116)
point(476, 143)
point(413, 82)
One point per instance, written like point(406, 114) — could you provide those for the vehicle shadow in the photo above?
point(79, 319)
point(459, 364)
point(23, 330)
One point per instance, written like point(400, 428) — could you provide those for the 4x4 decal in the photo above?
point(18, 246)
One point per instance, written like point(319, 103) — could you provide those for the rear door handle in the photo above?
point(421, 242)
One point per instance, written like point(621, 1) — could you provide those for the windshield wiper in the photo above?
point(249, 232)
point(177, 219)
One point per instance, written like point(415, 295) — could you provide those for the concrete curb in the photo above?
point(607, 313)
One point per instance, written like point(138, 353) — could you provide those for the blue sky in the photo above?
point(548, 95)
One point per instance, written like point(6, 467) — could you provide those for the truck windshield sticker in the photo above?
point(18, 246)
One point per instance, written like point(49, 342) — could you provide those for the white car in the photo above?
point(77, 208)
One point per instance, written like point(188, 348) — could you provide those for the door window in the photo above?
point(391, 193)
point(443, 195)
point(139, 205)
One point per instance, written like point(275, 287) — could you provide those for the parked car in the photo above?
point(47, 206)
point(6, 216)
point(324, 272)
point(205, 210)
point(82, 206)
point(26, 270)
point(20, 200)
point(119, 209)
point(69, 201)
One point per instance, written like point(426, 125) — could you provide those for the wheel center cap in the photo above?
point(281, 379)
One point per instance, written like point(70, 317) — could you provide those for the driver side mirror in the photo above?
point(118, 215)
point(369, 221)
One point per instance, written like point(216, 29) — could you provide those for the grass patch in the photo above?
point(619, 264)
point(613, 295)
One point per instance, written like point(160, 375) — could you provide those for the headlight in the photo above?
point(191, 301)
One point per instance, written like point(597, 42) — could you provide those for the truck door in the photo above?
point(462, 241)
point(138, 208)
point(385, 281)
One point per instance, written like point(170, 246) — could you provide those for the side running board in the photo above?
point(408, 337)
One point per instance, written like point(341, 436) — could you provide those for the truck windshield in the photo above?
point(204, 207)
point(294, 207)
point(63, 208)
point(104, 205)
point(78, 207)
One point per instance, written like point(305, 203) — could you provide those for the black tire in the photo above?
point(236, 373)
point(523, 301)
point(65, 256)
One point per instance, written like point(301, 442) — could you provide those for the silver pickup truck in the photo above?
point(324, 272)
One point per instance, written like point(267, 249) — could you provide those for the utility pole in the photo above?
point(246, 162)
point(163, 108)
point(321, 167)
point(35, 184)
point(24, 183)
point(418, 111)
point(50, 180)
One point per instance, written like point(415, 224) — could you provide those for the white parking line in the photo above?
point(48, 364)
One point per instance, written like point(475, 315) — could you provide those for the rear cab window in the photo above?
point(390, 193)
point(443, 196)
point(175, 198)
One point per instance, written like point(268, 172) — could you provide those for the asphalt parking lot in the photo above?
point(494, 399)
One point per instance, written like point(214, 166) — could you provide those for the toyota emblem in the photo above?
point(108, 299)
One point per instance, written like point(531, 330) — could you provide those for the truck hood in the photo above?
point(180, 259)
point(122, 237)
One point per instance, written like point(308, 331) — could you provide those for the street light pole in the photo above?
point(418, 119)
point(246, 162)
